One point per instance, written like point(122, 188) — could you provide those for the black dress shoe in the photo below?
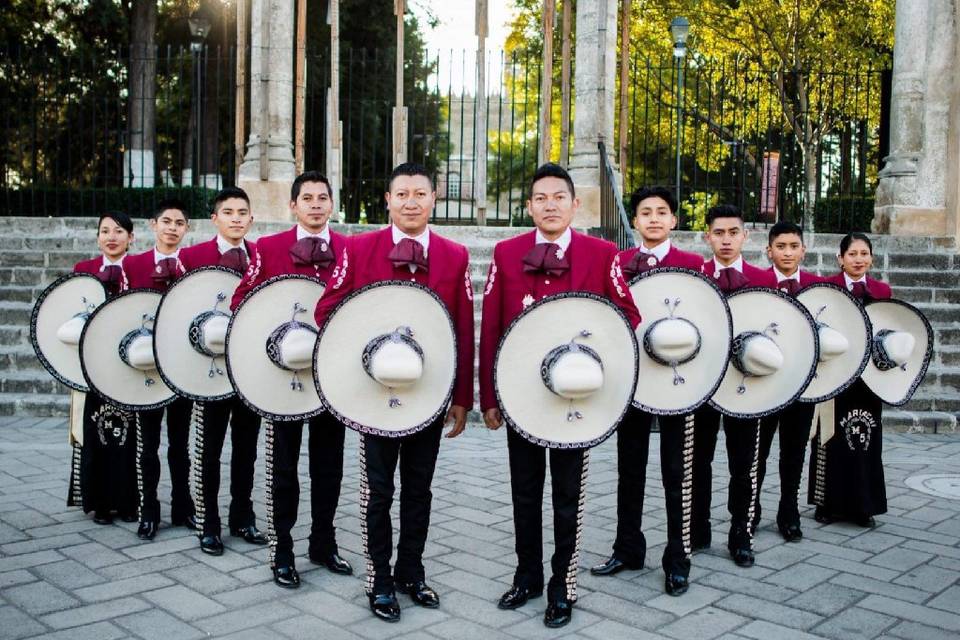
point(822, 516)
point(867, 522)
point(334, 563)
point(612, 566)
point(102, 517)
point(250, 534)
point(420, 593)
point(286, 576)
point(147, 530)
point(743, 557)
point(558, 613)
point(211, 545)
point(676, 584)
point(190, 522)
point(791, 532)
point(517, 597)
point(385, 606)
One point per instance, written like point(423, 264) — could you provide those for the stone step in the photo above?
point(907, 421)
point(34, 404)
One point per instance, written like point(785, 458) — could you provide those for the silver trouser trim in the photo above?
point(76, 496)
point(139, 465)
point(571, 577)
point(752, 508)
point(268, 464)
point(198, 445)
point(364, 504)
point(686, 490)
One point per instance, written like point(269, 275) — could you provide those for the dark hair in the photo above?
point(782, 228)
point(643, 193)
point(552, 170)
point(308, 176)
point(226, 194)
point(122, 220)
point(722, 211)
point(170, 203)
point(848, 239)
point(409, 169)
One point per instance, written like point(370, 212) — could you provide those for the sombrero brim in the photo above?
point(753, 309)
point(896, 386)
point(702, 303)
point(262, 385)
point(834, 306)
point(67, 296)
point(355, 398)
point(529, 407)
point(105, 372)
point(182, 367)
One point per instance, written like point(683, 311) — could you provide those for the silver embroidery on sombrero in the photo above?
point(751, 509)
point(364, 504)
point(198, 412)
point(571, 576)
point(687, 485)
point(139, 466)
point(268, 464)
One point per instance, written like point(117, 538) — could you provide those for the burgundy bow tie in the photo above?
point(547, 258)
point(641, 262)
point(858, 290)
point(789, 286)
point(112, 277)
point(312, 251)
point(408, 252)
point(729, 279)
point(235, 259)
point(166, 270)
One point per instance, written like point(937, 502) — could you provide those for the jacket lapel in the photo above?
point(436, 259)
point(579, 264)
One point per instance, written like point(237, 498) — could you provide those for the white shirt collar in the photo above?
point(781, 277)
point(157, 256)
point(563, 241)
point(660, 251)
point(737, 264)
point(106, 262)
point(423, 238)
point(849, 281)
point(224, 245)
point(323, 235)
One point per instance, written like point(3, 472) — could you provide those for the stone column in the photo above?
point(952, 175)
point(595, 89)
point(268, 167)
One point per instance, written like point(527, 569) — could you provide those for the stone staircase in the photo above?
point(35, 251)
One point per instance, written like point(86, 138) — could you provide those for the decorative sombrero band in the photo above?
point(900, 351)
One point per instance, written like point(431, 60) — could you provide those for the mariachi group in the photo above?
point(375, 333)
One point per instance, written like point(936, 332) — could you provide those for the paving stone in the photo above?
point(203, 579)
point(800, 576)
point(827, 599)
point(38, 598)
point(915, 631)
point(706, 623)
point(68, 574)
point(612, 630)
point(698, 597)
point(855, 623)
point(309, 628)
point(184, 603)
point(120, 588)
point(17, 624)
point(742, 584)
point(928, 578)
point(41, 544)
point(912, 612)
point(465, 630)
point(772, 612)
point(253, 616)
point(94, 555)
point(856, 568)
point(94, 613)
point(333, 609)
point(628, 611)
point(158, 625)
point(465, 606)
point(95, 631)
point(879, 587)
point(18, 576)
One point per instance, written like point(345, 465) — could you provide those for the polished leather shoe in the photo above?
point(249, 534)
point(190, 522)
point(822, 516)
point(334, 562)
point(385, 606)
point(743, 557)
point(791, 532)
point(612, 566)
point(676, 584)
point(516, 597)
point(286, 576)
point(147, 530)
point(211, 545)
point(558, 613)
point(101, 517)
point(420, 593)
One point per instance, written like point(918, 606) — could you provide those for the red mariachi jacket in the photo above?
point(448, 275)
point(757, 277)
point(594, 268)
point(207, 254)
point(94, 265)
point(806, 278)
point(875, 288)
point(273, 259)
point(139, 269)
point(674, 258)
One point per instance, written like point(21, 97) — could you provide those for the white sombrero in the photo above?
point(773, 356)
point(116, 352)
point(901, 348)
point(843, 336)
point(566, 369)
point(684, 340)
point(191, 333)
point(386, 359)
point(57, 321)
point(270, 343)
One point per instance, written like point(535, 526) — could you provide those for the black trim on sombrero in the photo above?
point(266, 415)
point(806, 379)
point(83, 364)
point(496, 362)
point(367, 429)
point(726, 358)
point(928, 353)
point(34, 315)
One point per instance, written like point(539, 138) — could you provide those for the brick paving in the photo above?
point(62, 576)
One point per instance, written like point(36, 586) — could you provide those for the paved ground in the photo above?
point(62, 576)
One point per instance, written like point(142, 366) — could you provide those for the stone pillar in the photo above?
point(268, 167)
point(952, 175)
point(595, 90)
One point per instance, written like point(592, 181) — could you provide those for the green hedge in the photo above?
point(842, 214)
point(61, 201)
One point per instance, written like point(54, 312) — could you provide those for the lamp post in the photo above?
point(200, 25)
point(679, 30)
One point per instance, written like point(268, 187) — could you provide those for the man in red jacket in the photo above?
point(654, 216)
point(551, 259)
point(726, 234)
point(309, 248)
point(407, 250)
point(157, 269)
point(229, 248)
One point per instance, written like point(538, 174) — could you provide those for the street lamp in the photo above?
point(200, 25)
point(679, 31)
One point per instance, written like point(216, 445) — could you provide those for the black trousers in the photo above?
point(676, 464)
point(794, 426)
point(417, 456)
point(178, 459)
point(568, 472)
point(325, 459)
point(104, 469)
point(742, 437)
point(211, 423)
